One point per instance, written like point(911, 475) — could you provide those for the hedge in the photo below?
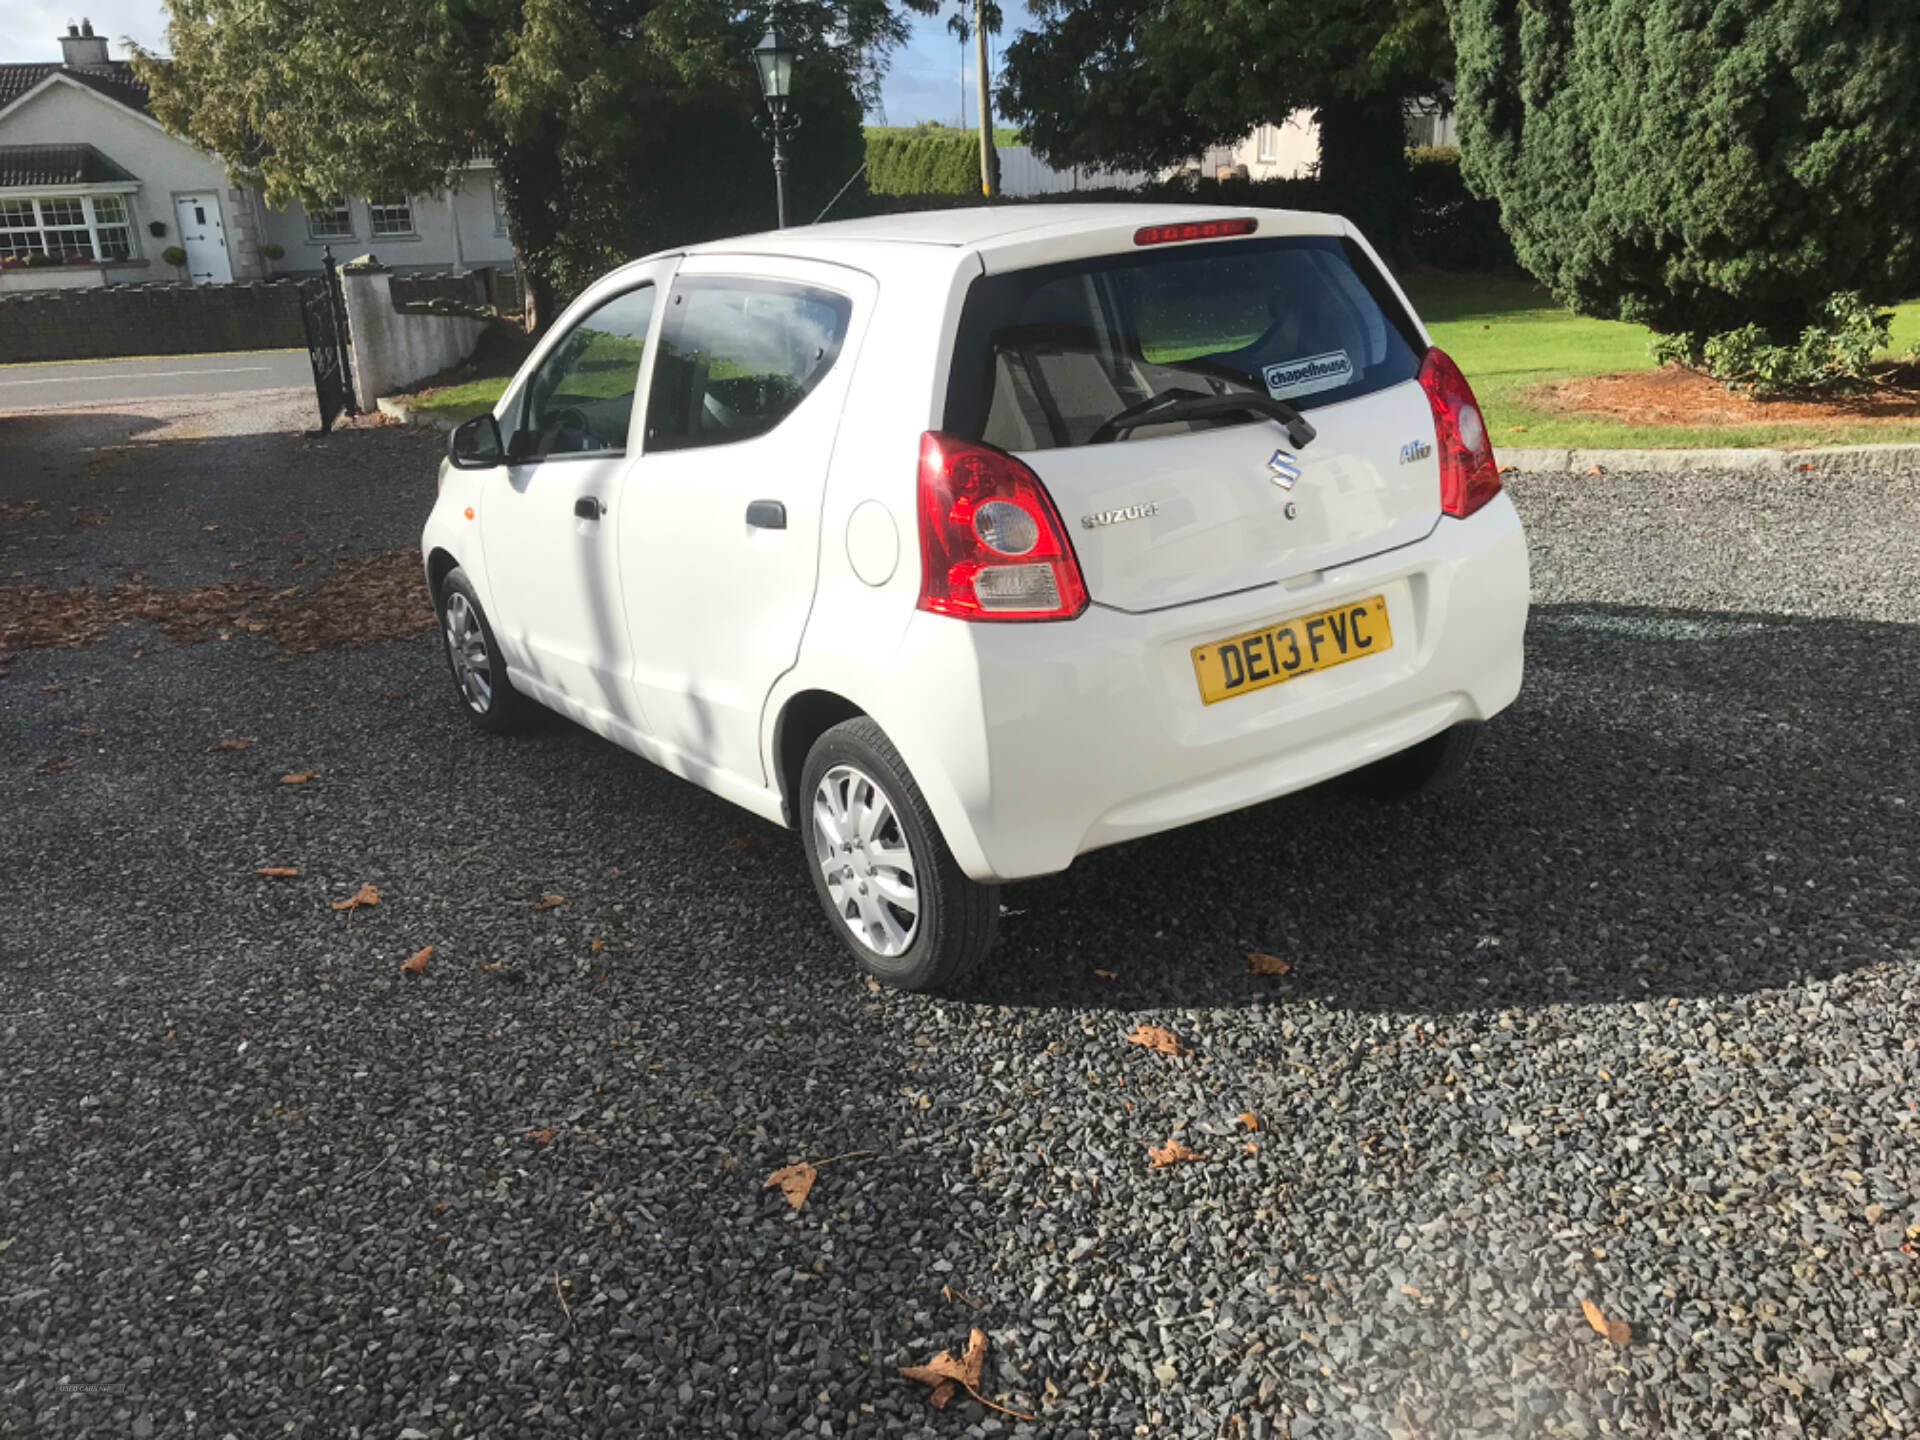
point(923, 162)
point(1448, 228)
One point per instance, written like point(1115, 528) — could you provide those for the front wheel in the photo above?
point(473, 655)
point(893, 891)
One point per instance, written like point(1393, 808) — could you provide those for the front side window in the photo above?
point(580, 400)
point(738, 356)
point(69, 227)
point(331, 220)
point(391, 217)
point(1049, 357)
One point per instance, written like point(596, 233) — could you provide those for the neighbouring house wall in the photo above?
point(393, 349)
point(431, 247)
point(1024, 173)
point(94, 324)
point(65, 114)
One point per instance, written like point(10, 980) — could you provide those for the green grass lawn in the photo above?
point(1508, 335)
point(459, 402)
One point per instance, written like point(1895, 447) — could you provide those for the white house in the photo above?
point(1290, 149)
point(93, 189)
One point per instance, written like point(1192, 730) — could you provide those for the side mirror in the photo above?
point(475, 444)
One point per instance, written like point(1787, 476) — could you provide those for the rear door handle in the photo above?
point(588, 507)
point(767, 515)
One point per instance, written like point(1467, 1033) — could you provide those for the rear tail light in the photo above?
point(991, 544)
point(1194, 230)
point(1469, 478)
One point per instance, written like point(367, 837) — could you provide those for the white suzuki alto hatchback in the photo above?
point(967, 542)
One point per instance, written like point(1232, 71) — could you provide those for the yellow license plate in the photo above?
point(1287, 649)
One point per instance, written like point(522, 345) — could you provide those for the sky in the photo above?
point(922, 84)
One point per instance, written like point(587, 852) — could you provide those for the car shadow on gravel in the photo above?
point(1680, 804)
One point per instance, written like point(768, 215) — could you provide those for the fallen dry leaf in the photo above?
point(1593, 470)
point(540, 1136)
point(278, 872)
point(795, 1182)
point(944, 1372)
point(1106, 974)
point(365, 895)
point(743, 843)
point(416, 963)
point(1249, 1119)
point(298, 777)
point(550, 902)
point(1260, 964)
point(55, 765)
point(1172, 1153)
point(598, 946)
point(238, 743)
point(1155, 1038)
point(1616, 1331)
point(496, 967)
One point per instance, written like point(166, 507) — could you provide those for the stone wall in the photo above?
point(392, 349)
point(105, 322)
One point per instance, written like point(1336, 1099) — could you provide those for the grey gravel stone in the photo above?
point(1629, 1019)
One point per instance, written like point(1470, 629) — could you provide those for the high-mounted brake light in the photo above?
point(1194, 230)
point(991, 543)
point(1469, 476)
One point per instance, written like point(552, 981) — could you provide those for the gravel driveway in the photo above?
point(1632, 1020)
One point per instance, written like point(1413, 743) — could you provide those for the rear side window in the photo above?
point(737, 357)
point(1045, 357)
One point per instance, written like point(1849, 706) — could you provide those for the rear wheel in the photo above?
point(473, 655)
point(1433, 765)
point(893, 892)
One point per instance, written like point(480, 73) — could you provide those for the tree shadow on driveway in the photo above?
point(1680, 804)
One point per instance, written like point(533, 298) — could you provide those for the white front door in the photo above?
point(204, 239)
point(548, 517)
point(720, 526)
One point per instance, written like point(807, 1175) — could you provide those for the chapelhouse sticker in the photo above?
point(1305, 377)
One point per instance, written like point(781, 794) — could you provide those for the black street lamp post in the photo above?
point(775, 55)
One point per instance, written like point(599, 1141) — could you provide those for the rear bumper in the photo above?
point(1037, 743)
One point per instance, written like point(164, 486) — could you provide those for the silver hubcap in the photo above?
point(863, 852)
point(467, 645)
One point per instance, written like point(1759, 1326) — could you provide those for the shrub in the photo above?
point(1696, 167)
point(932, 160)
point(174, 255)
point(273, 250)
point(1829, 356)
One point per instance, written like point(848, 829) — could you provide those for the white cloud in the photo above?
point(31, 29)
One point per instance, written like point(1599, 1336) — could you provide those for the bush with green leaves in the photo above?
point(1830, 356)
point(174, 255)
point(930, 160)
point(1699, 167)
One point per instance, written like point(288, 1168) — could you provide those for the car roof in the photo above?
point(989, 227)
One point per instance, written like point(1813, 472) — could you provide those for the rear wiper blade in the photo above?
point(1170, 407)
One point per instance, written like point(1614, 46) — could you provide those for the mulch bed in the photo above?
point(1673, 395)
point(364, 601)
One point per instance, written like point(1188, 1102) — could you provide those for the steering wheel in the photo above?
point(570, 432)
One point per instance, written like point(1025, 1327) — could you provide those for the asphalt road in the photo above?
point(107, 382)
point(1633, 1019)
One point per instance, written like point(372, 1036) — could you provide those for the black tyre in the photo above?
point(892, 890)
point(1426, 769)
point(473, 655)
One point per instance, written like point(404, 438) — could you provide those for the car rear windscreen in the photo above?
point(1045, 357)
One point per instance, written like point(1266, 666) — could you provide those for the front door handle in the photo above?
point(767, 515)
point(588, 507)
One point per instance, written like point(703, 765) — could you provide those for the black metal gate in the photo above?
point(323, 311)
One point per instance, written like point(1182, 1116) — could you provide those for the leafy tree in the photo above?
point(618, 126)
point(1147, 83)
point(1699, 165)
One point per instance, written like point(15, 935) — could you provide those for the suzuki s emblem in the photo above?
point(1284, 469)
point(1120, 516)
point(1414, 451)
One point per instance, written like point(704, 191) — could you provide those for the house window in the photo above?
point(331, 220)
point(391, 217)
point(112, 234)
point(1269, 144)
point(72, 227)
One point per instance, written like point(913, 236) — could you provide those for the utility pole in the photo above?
point(989, 182)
